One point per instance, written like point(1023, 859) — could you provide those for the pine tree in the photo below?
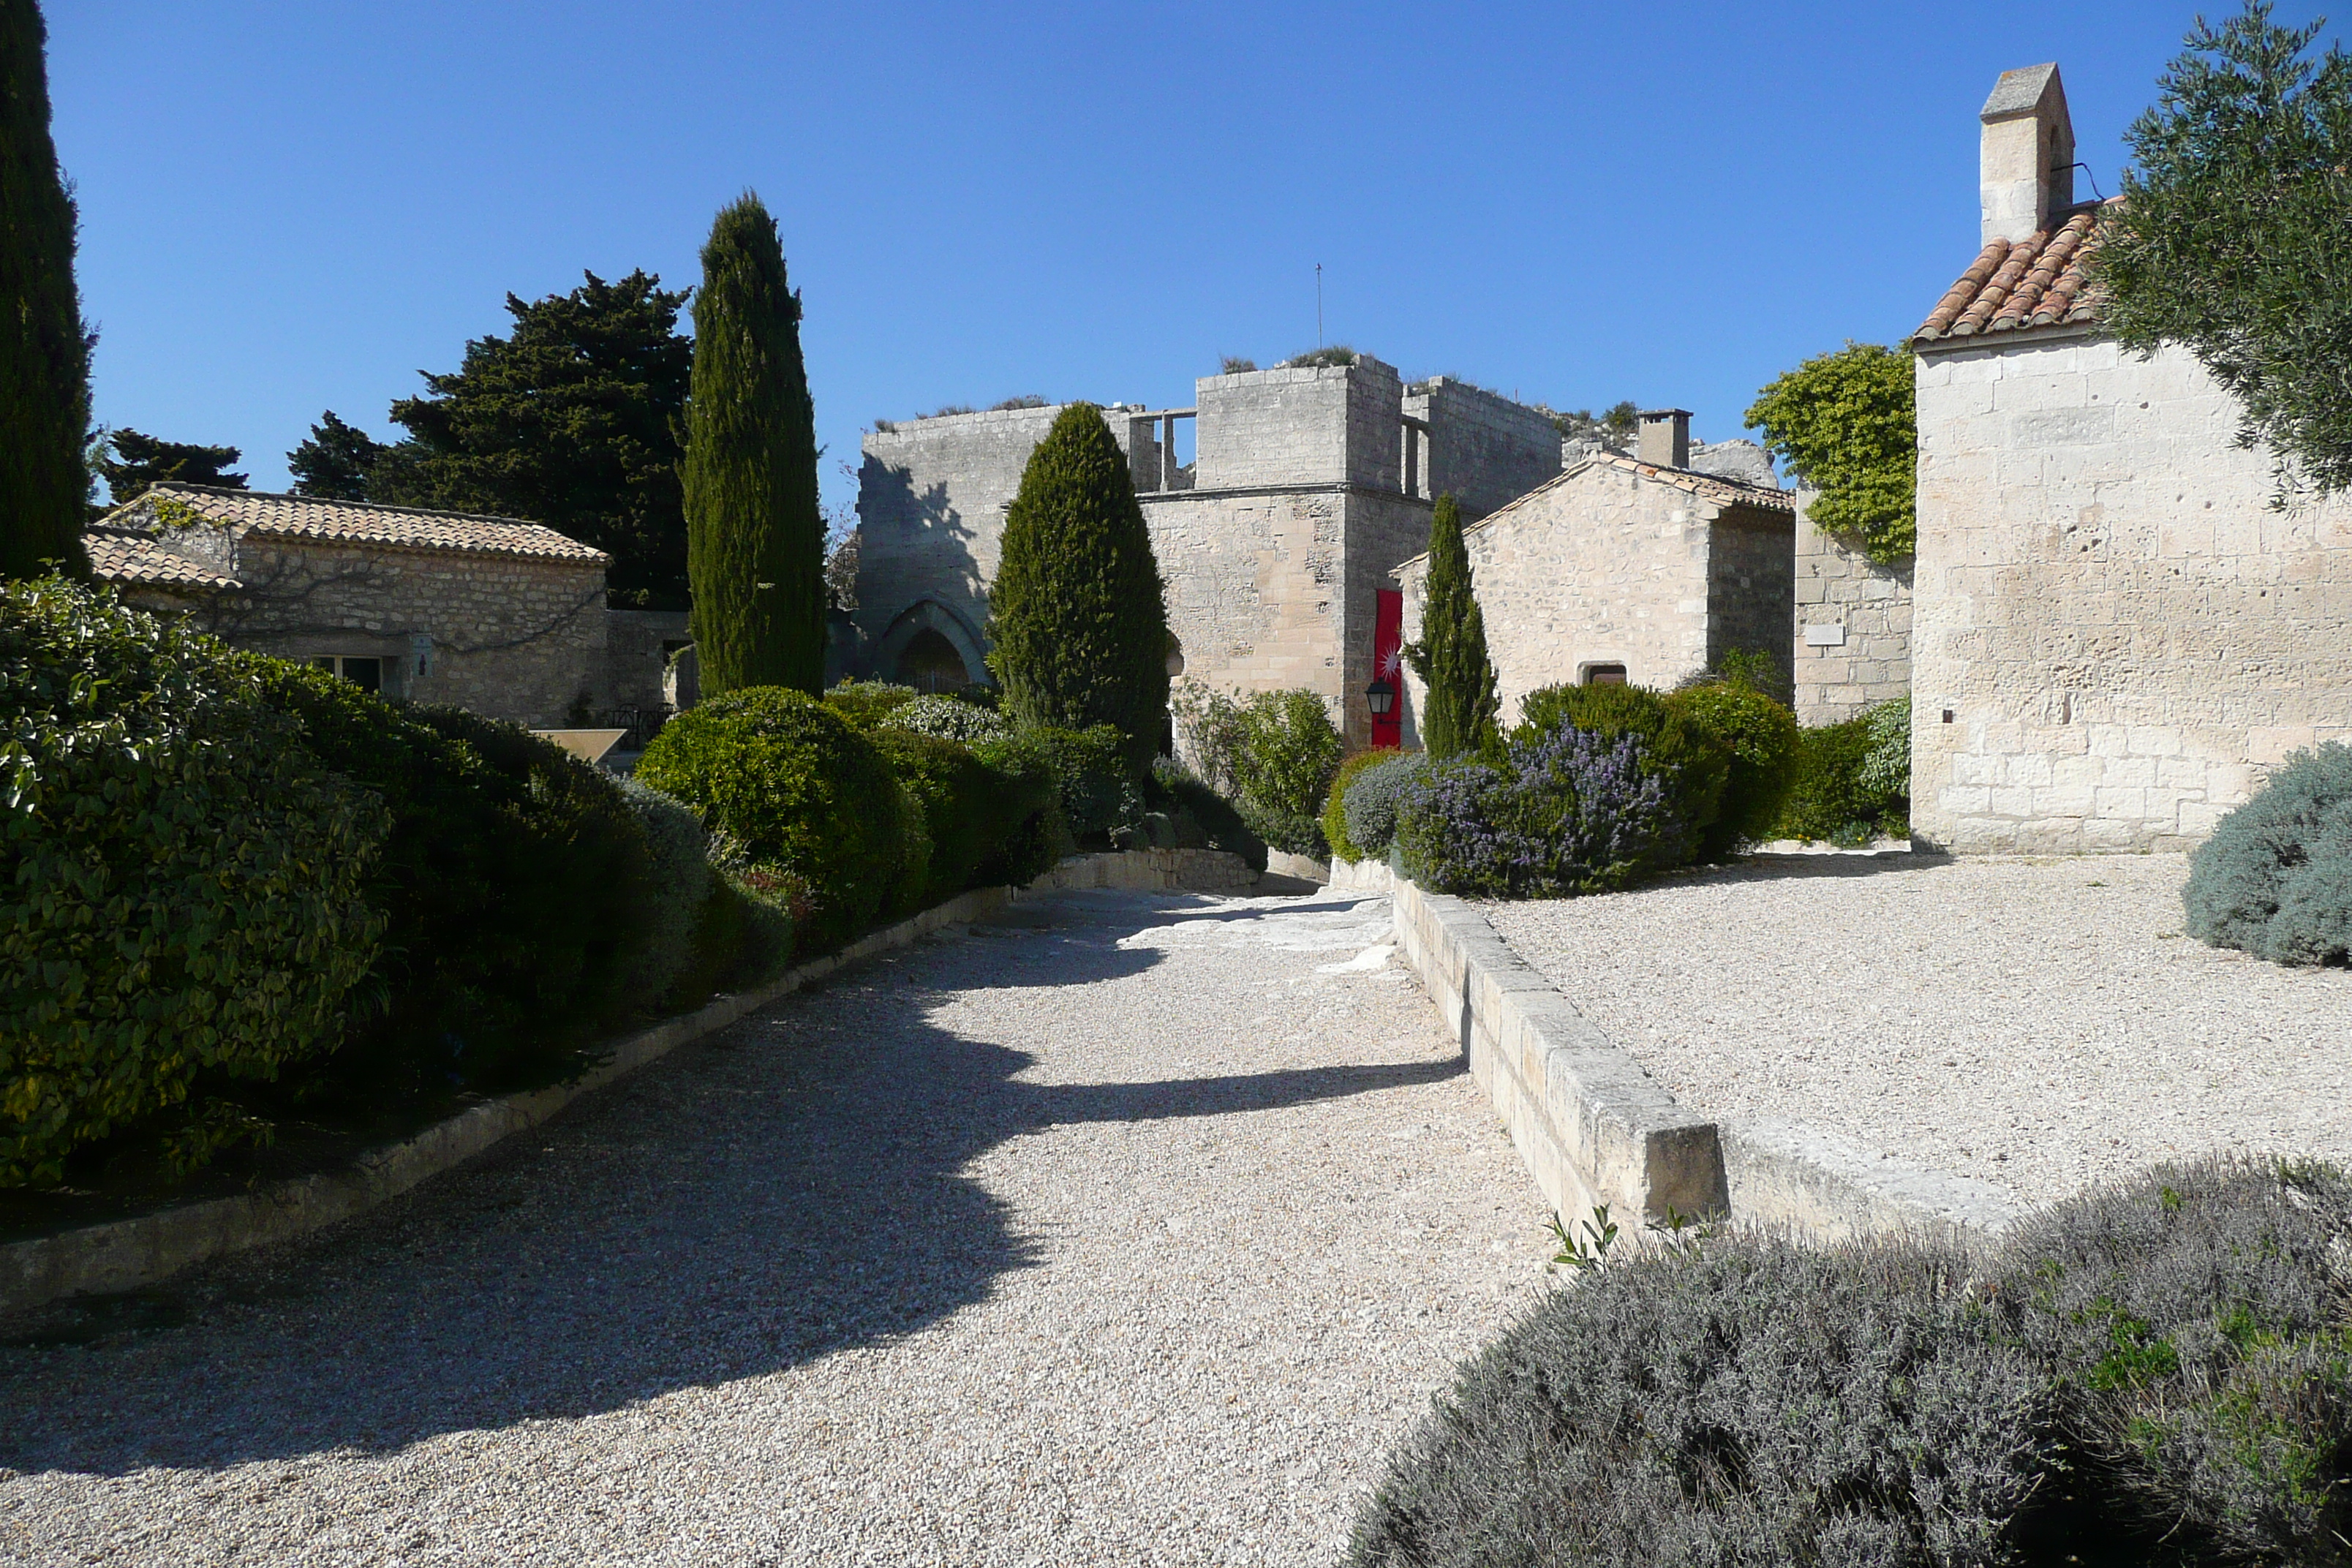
point(1076, 614)
point(44, 351)
point(138, 461)
point(754, 535)
point(1458, 713)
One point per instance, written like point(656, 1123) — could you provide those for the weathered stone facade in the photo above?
point(1310, 485)
point(2115, 634)
point(494, 616)
point(1852, 645)
point(1621, 565)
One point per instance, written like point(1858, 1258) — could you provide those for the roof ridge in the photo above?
point(300, 499)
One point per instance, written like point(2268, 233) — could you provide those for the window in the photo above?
point(367, 674)
point(1604, 675)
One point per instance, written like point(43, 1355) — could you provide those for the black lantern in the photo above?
point(1382, 697)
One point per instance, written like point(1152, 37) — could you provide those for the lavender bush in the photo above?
point(1569, 812)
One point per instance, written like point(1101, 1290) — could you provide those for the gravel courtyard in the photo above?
point(2041, 1024)
point(1132, 1229)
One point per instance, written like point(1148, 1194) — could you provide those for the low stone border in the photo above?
point(1595, 1128)
point(1305, 868)
point(1152, 871)
point(129, 1254)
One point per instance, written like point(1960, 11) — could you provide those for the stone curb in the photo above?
point(1595, 1128)
point(129, 1254)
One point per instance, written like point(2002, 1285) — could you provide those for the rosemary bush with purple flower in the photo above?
point(1569, 812)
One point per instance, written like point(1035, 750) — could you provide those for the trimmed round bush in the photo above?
point(183, 887)
point(677, 885)
point(803, 794)
point(1571, 811)
point(1759, 736)
point(949, 718)
point(1375, 796)
point(1334, 819)
point(1755, 1403)
point(2196, 1323)
point(971, 810)
point(867, 703)
point(1693, 764)
point(2275, 878)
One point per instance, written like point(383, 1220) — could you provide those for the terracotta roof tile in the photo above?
point(2039, 281)
point(138, 560)
point(359, 522)
point(1713, 487)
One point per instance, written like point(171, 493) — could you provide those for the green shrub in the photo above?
point(1377, 797)
point(1760, 737)
point(677, 887)
point(2195, 1322)
point(2275, 878)
point(1101, 798)
point(1289, 751)
point(183, 892)
point(1335, 803)
point(1692, 763)
point(973, 811)
point(1203, 818)
point(1208, 724)
point(948, 718)
point(865, 704)
point(1568, 812)
point(1831, 796)
point(1886, 770)
point(1040, 837)
point(1757, 1404)
point(805, 796)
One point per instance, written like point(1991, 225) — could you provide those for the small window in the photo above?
point(367, 674)
point(1604, 675)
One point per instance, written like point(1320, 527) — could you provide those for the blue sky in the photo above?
point(288, 208)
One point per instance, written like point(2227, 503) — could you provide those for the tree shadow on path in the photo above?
point(788, 1189)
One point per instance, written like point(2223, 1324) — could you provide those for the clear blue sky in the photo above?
point(288, 207)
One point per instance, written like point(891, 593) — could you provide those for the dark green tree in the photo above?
point(1077, 618)
point(337, 462)
point(755, 534)
point(571, 420)
point(2233, 238)
point(44, 350)
point(1458, 713)
point(1846, 423)
point(138, 461)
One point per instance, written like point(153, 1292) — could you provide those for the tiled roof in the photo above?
point(358, 522)
point(1713, 487)
point(119, 556)
point(2038, 281)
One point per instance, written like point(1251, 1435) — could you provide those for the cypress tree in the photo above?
point(1076, 616)
point(44, 352)
point(754, 537)
point(1458, 714)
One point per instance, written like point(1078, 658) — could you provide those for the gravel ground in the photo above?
point(1133, 1229)
point(2042, 1024)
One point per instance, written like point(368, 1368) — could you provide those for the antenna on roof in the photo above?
point(1318, 304)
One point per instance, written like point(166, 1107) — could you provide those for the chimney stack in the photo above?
point(2027, 171)
point(1665, 437)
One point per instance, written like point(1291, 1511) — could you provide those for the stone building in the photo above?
point(1852, 647)
point(1639, 569)
point(1308, 486)
point(491, 613)
point(2115, 634)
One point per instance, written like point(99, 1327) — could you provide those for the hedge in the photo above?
point(1570, 811)
point(183, 892)
point(1759, 738)
point(1686, 758)
point(972, 811)
point(1842, 786)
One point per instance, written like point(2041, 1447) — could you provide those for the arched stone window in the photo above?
point(930, 663)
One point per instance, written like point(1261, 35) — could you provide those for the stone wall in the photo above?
point(1750, 577)
point(1324, 424)
point(638, 645)
point(500, 635)
point(1484, 449)
point(1852, 636)
point(2114, 635)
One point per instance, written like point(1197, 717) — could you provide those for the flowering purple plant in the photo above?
point(1569, 812)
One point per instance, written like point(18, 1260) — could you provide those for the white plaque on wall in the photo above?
point(1825, 637)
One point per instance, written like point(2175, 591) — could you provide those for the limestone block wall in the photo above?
point(1254, 584)
point(503, 636)
point(1751, 573)
point(1851, 642)
point(1599, 567)
point(1328, 424)
point(637, 649)
point(1484, 449)
point(2124, 634)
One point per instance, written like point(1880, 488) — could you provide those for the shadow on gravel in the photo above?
point(1784, 868)
point(786, 1190)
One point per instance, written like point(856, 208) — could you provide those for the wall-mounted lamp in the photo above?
point(1382, 697)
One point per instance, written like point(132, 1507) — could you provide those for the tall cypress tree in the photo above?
point(1458, 714)
point(44, 352)
point(1077, 613)
point(754, 536)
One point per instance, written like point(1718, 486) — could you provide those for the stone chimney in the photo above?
point(1665, 437)
point(2028, 166)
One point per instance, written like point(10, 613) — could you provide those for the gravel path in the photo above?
point(1134, 1229)
point(2042, 1024)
